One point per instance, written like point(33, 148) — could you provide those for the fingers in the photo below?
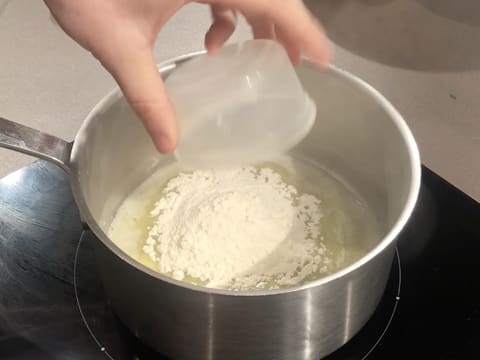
point(140, 81)
point(224, 22)
point(293, 25)
point(263, 30)
point(299, 32)
point(318, 47)
point(292, 47)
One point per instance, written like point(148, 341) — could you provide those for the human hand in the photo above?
point(121, 34)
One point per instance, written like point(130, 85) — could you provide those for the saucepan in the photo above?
point(358, 136)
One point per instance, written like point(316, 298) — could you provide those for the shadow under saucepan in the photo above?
point(423, 35)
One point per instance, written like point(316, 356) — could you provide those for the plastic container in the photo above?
point(242, 105)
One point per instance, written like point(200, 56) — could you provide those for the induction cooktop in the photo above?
point(52, 304)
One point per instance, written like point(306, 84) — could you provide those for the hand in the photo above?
point(121, 35)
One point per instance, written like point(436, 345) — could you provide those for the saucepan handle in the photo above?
point(29, 141)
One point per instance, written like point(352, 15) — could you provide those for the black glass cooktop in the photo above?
point(52, 304)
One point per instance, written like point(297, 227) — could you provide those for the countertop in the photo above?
point(423, 55)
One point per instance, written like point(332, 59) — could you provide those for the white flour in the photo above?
point(239, 229)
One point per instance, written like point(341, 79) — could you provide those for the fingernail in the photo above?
point(164, 144)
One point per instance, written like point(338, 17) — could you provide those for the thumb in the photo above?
point(142, 85)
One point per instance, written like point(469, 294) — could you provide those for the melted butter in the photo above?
point(348, 228)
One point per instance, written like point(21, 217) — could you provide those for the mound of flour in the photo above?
point(238, 229)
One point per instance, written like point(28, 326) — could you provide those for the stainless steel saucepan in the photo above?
point(358, 136)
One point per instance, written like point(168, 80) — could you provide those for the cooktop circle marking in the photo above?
point(104, 350)
point(84, 319)
point(395, 306)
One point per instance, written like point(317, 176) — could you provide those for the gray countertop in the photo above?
point(424, 55)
